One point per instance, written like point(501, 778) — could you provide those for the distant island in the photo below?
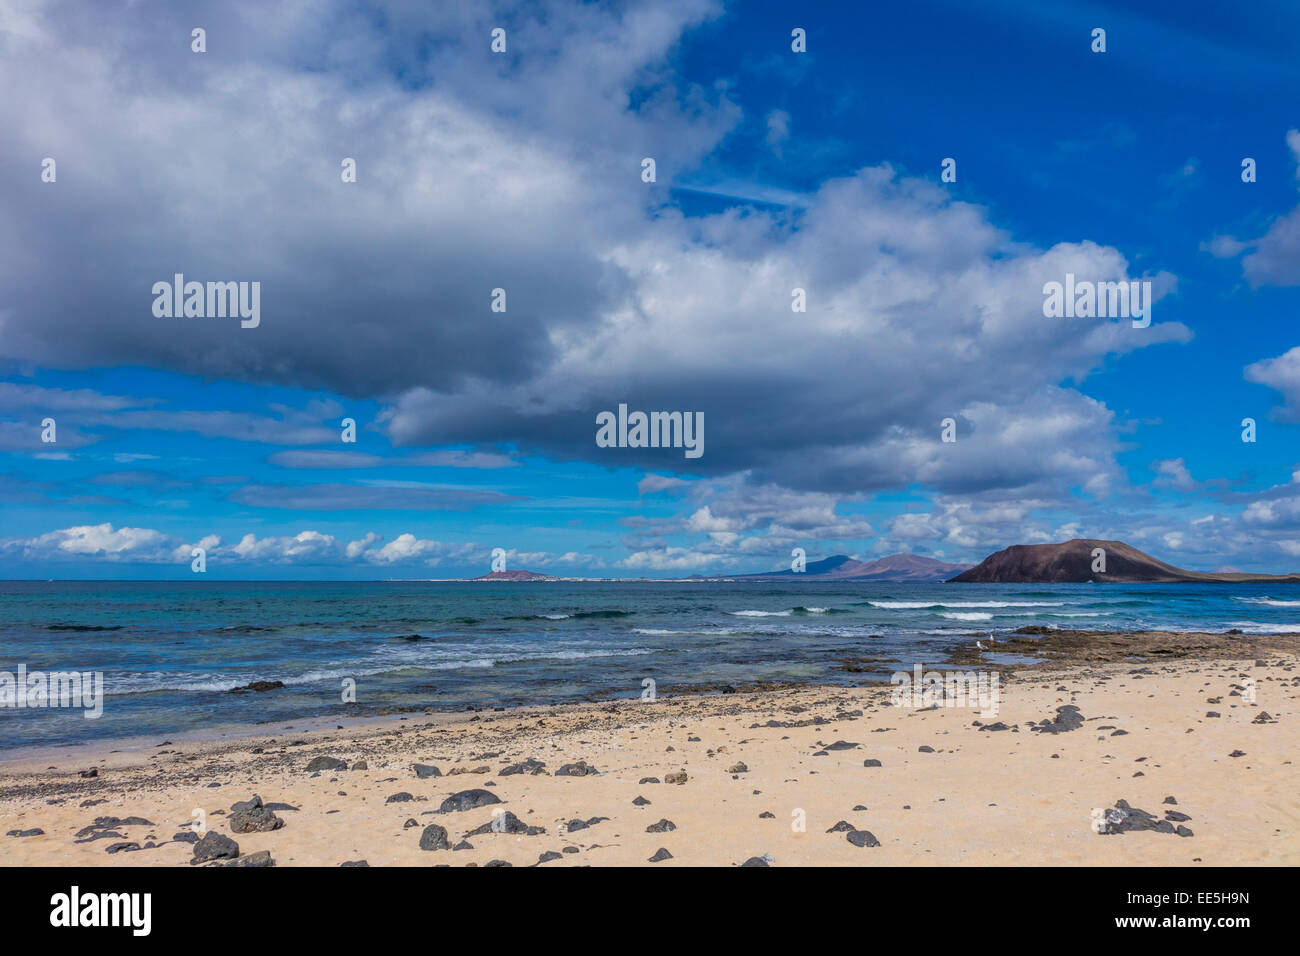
point(515, 576)
point(841, 567)
point(838, 567)
point(1070, 562)
point(1073, 561)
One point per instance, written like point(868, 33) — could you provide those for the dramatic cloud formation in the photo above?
point(523, 173)
point(919, 309)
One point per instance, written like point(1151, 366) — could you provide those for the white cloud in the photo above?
point(1174, 474)
point(671, 559)
point(403, 548)
point(1224, 247)
point(1283, 374)
point(356, 548)
point(137, 544)
point(304, 546)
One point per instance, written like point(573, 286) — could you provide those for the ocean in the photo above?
point(171, 653)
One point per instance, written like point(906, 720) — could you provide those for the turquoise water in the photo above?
point(170, 653)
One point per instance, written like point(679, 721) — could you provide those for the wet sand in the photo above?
point(767, 774)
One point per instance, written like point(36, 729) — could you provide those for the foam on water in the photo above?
point(922, 605)
point(1256, 627)
point(171, 652)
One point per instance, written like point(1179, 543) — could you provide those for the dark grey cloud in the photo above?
point(474, 174)
point(520, 172)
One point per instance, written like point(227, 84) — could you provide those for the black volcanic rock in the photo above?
point(318, 764)
point(261, 858)
point(250, 816)
point(1068, 717)
point(468, 800)
point(862, 838)
point(579, 769)
point(434, 837)
point(258, 685)
point(215, 846)
point(1123, 818)
point(506, 823)
point(530, 766)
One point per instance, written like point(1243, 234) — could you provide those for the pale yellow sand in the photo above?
point(981, 798)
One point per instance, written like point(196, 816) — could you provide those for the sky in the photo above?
point(523, 171)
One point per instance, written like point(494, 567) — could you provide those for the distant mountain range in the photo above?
point(840, 567)
point(1072, 562)
point(1068, 562)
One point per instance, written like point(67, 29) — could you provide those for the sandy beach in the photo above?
point(1030, 785)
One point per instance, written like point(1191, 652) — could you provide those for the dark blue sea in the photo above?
point(171, 653)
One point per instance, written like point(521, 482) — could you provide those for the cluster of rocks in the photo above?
point(220, 850)
point(436, 837)
point(862, 838)
point(579, 769)
point(321, 764)
point(574, 825)
point(1123, 818)
point(507, 822)
point(529, 766)
point(252, 816)
point(1068, 718)
point(246, 816)
point(106, 828)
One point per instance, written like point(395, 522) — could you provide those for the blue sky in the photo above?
point(522, 170)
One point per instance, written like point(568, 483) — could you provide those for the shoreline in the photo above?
point(952, 786)
point(1049, 646)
